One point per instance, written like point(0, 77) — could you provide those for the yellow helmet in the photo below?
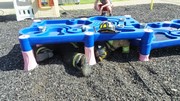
point(107, 27)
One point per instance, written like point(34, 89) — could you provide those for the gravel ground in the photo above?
point(119, 78)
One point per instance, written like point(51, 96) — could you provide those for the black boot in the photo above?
point(103, 14)
point(43, 53)
point(110, 14)
point(80, 62)
point(101, 51)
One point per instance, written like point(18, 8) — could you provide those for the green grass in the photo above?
point(92, 1)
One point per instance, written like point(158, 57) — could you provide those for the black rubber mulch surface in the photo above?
point(121, 77)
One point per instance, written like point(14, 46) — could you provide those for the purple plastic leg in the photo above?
point(29, 60)
point(89, 52)
point(144, 57)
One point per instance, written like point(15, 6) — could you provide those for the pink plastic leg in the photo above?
point(144, 57)
point(89, 52)
point(29, 60)
point(38, 45)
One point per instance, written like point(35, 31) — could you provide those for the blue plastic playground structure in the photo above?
point(147, 37)
point(165, 34)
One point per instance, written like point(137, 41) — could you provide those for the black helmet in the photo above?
point(107, 27)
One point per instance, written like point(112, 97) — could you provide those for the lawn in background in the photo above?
point(71, 2)
point(92, 1)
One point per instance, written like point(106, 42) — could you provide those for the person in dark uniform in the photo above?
point(73, 53)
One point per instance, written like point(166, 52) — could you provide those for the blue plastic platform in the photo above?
point(153, 35)
point(166, 34)
point(73, 30)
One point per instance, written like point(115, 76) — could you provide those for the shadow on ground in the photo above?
point(6, 18)
point(56, 59)
point(13, 60)
point(133, 55)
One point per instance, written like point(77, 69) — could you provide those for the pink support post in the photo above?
point(89, 52)
point(89, 48)
point(29, 60)
point(27, 52)
point(146, 45)
point(144, 57)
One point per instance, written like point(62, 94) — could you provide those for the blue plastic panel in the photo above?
point(166, 33)
point(86, 30)
point(74, 30)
